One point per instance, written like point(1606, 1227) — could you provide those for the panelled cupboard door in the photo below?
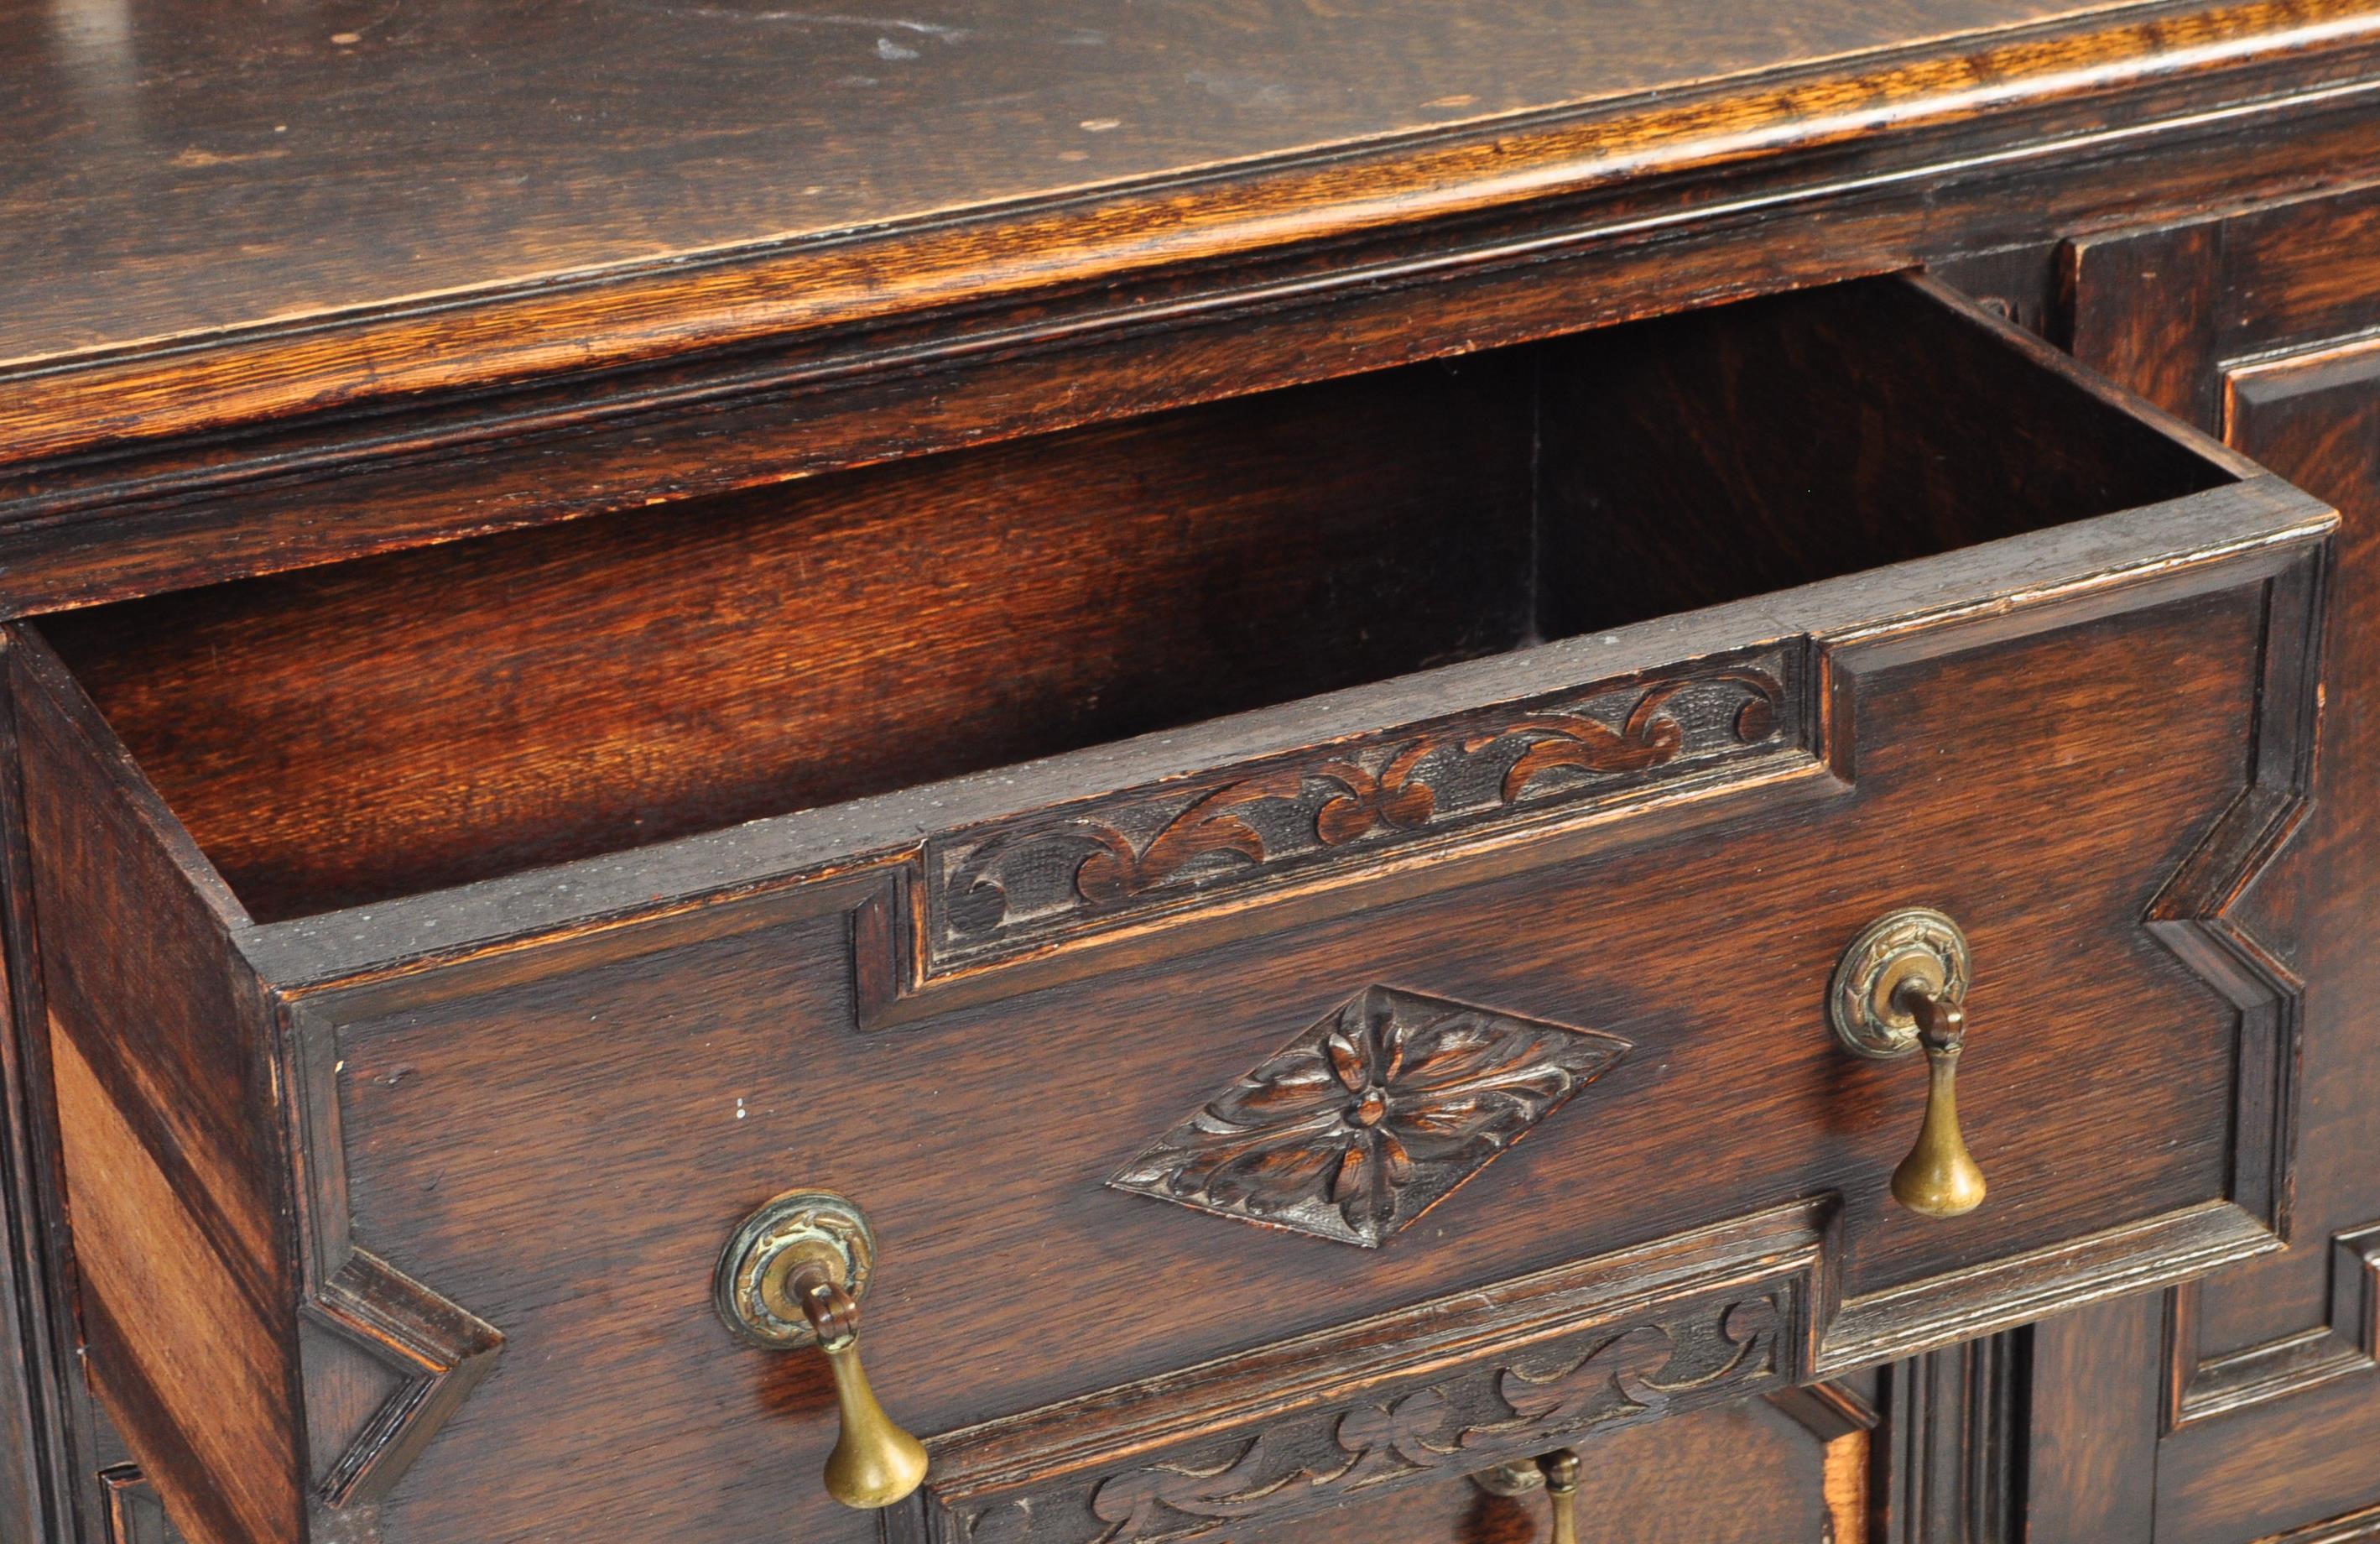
point(2257, 1416)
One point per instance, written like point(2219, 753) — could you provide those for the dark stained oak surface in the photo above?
point(512, 1162)
point(263, 287)
point(176, 171)
point(177, 165)
point(292, 282)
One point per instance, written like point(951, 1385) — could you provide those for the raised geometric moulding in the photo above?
point(1371, 1116)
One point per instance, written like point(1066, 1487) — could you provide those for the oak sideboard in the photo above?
point(1269, 771)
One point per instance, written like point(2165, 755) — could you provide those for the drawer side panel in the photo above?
point(171, 1135)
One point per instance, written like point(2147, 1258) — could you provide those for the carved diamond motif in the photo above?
point(1370, 1117)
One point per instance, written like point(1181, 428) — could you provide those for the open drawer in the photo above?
point(1162, 873)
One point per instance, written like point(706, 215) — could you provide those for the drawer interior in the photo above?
point(338, 736)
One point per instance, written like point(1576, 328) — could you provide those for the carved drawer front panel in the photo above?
point(1438, 1390)
point(1388, 1031)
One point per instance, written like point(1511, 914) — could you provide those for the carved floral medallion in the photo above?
point(1371, 1116)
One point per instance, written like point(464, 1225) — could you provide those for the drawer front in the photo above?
point(1102, 1180)
point(1252, 1120)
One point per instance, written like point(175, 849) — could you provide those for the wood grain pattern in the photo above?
point(2265, 1394)
point(174, 1159)
point(1801, 181)
point(1444, 1388)
point(893, 133)
point(805, 126)
point(651, 1036)
point(460, 715)
point(2091, 1459)
point(1850, 467)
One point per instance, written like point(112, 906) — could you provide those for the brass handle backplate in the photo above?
point(1901, 987)
point(792, 1276)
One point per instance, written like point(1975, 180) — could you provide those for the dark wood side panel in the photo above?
point(41, 1340)
point(2303, 274)
point(24, 1390)
point(2090, 1462)
point(21, 1509)
point(171, 1136)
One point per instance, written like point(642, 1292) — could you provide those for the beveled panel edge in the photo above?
point(440, 1350)
point(131, 1509)
point(435, 1350)
point(2358, 1526)
point(2198, 916)
point(2003, 1294)
point(2192, 916)
point(2347, 1342)
point(2239, 379)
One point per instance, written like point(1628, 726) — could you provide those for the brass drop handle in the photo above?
point(1561, 1494)
point(1555, 1473)
point(793, 1275)
point(1940, 1177)
point(1901, 987)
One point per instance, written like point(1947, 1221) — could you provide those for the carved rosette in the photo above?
point(1371, 1116)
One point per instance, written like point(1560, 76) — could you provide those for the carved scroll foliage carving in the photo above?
point(1717, 1349)
point(1371, 1116)
point(998, 890)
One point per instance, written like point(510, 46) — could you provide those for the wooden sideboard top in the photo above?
point(181, 173)
point(262, 263)
point(180, 167)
